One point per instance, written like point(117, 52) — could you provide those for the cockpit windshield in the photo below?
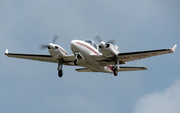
point(92, 43)
point(89, 41)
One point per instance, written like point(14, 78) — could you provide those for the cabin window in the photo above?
point(92, 43)
point(89, 41)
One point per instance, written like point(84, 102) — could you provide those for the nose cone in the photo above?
point(73, 43)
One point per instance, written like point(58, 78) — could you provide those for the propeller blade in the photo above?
point(98, 38)
point(55, 38)
point(43, 47)
point(110, 41)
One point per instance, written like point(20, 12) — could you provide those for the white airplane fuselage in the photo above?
point(87, 51)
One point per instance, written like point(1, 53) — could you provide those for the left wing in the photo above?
point(125, 57)
point(68, 60)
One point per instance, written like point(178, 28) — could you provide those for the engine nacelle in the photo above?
point(56, 51)
point(108, 49)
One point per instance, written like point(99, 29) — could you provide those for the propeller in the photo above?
point(99, 40)
point(44, 46)
point(105, 44)
point(110, 41)
point(55, 38)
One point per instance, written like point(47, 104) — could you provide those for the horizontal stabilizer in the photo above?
point(123, 68)
point(83, 70)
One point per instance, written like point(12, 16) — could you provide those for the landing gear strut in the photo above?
point(76, 61)
point(60, 70)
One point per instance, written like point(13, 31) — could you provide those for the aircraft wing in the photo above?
point(68, 60)
point(125, 57)
point(130, 56)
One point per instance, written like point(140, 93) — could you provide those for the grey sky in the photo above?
point(31, 86)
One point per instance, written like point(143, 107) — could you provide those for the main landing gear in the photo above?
point(115, 71)
point(60, 73)
point(60, 70)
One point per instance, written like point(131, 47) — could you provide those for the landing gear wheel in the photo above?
point(115, 71)
point(60, 73)
point(76, 62)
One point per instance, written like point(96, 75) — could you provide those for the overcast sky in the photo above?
point(34, 87)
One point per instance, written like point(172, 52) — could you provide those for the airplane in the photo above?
point(91, 57)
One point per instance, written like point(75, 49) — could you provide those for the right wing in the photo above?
point(67, 60)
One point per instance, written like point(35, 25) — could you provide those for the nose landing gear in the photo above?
point(75, 62)
point(76, 58)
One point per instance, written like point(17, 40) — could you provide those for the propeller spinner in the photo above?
point(44, 46)
point(104, 44)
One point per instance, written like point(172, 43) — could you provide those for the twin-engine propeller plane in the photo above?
point(104, 57)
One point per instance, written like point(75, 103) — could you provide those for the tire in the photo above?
point(76, 62)
point(115, 71)
point(60, 73)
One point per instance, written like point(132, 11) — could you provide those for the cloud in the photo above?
point(166, 101)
